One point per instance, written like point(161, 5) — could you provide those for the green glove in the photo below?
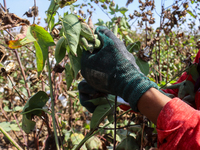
point(86, 93)
point(112, 69)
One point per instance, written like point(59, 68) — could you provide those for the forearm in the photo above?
point(151, 103)
point(178, 124)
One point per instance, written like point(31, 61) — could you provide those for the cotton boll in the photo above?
point(63, 99)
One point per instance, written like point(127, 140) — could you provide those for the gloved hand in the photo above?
point(112, 69)
point(86, 93)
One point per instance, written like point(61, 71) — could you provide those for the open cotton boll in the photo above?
point(63, 99)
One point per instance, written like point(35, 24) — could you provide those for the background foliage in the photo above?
point(33, 83)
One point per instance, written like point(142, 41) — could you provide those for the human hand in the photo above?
point(112, 69)
point(86, 93)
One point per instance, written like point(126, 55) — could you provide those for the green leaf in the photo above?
point(75, 61)
point(187, 88)
point(20, 42)
point(29, 38)
point(123, 10)
point(117, 8)
point(72, 29)
point(110, 117)
point(67, 134)
point(99, 114)
point(122, 134)
point(98, 101)
point(175, 86)
point(143, 65)
point(76, 138)
point(39, 57)
point(22, 81)
point(44, 40)
point(27, 124)
point(93, 143)
point(72, 93)
point(103, 100)
point(36, 101)
point(60, 50)
point(72, 8)
point(7, 109)
point(100, 23)
point(18, 108)
point(51, 12)
point(191, 14)
point(50, 22)
point(69, 75)
point(24, 91)
point(14, 127)
point(193, 71)
point(134, 47)
point(5, 126)
point(112, 9)
point(128, 143)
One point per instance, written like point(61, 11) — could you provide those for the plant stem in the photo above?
point(10, 138)
point(34, 12)
point(22, 71)
point(13, 85)
point(52, 104)
point(4, 3)
point(20, 65)
point(115, 124)
point(142, 134)
point(20, 129)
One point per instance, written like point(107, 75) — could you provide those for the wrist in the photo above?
point(133, 86)
point(151, 103)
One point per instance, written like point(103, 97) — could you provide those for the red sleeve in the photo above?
point(178, 126)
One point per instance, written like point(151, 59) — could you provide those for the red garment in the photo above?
point(178, 126)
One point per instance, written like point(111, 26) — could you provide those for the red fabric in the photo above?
point(125, 108)
point(178, 126)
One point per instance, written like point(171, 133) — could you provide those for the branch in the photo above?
point(10, 138)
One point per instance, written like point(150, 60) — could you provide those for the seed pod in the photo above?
point(97, 43)
point(87, 32)
point(115, 29)
point(87, 46)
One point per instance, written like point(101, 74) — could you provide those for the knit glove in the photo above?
point(86, 93)
point(112, 69)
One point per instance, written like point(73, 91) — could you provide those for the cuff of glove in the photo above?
point(133, 91)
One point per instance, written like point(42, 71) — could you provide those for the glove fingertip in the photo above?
point(100, 29)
